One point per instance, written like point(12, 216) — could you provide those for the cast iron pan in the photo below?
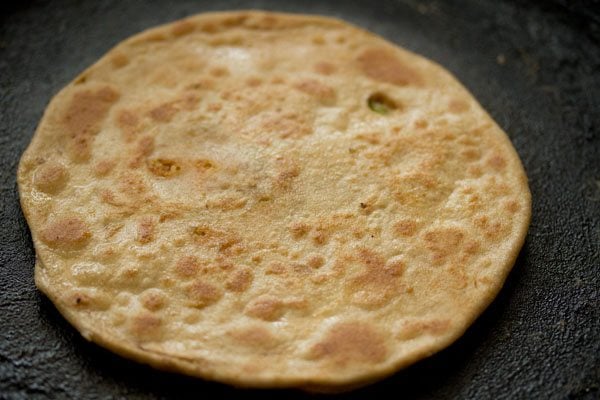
point(535, 66)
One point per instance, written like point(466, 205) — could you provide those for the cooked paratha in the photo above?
point(271, 200)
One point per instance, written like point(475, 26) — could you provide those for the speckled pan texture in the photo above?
point(271, 200)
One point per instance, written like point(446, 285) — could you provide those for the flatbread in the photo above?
point(271, 200)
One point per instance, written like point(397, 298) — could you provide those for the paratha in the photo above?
point(271, 200)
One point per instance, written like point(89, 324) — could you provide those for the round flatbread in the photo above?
point(271, 200)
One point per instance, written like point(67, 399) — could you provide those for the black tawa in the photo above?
point(534, 65)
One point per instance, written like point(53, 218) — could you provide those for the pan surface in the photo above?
point(534, 65)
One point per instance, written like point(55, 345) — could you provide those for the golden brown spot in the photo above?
point(369, 204)
point(81, 79)
point(188, 101)
point(119, 60)
point(253, 82)
point(418, 189)
point(218, 72)
point(382, 65)
point(358, 233)
point(50, 177)
point(240, 281)
point(254, 336)
point(130, 273)
point(377, 283)
point(448, 137)
point(183, 28)
point(144, 148)
point(111, 230)
point(145, 230)
point(107, 196)
point(492, 230)
point(351, 342)
point(458, 106)
point(129, 123)
point(411, 329)
point(157, 36)
point(225, 242)
point(187, 266)
point(289, 125)
point(275, 268)
point(318, 40)
point(163, 113)
point(132, 185)
point(315, 261)
point(288, 170)
point(316, 89)
point(497, 190)
point(103, 167)
point(224, 264)
point(209, 27)
point(299, 229)
point(371, 137)
point(320, 279)
point(475, 171)
point(421, 124)
point(269, 22)
point(497, 162)
point(67, 232)
point(146, 326)
point(91, 300)
point(227, 203)
point(214, 107)
point(319, 236)
point(512, 206)
point(236, 20)
point(484, 280)
point(83, 118)
point(456, 277)
point(299, 268)
point(443, 243)
point(325, 68)
point(80, 300)
point(472, 247)
point(482, 221)
point(203, 164)
point(163, 167)
point(169, 215)
point(229, 243)
point(153, 299)
point(405, 227)
point(202, 294)
point(202, 84)
point(266, 307)
point(471, 154)
point(190, 65)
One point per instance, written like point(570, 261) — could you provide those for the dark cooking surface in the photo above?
point(535, 66)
